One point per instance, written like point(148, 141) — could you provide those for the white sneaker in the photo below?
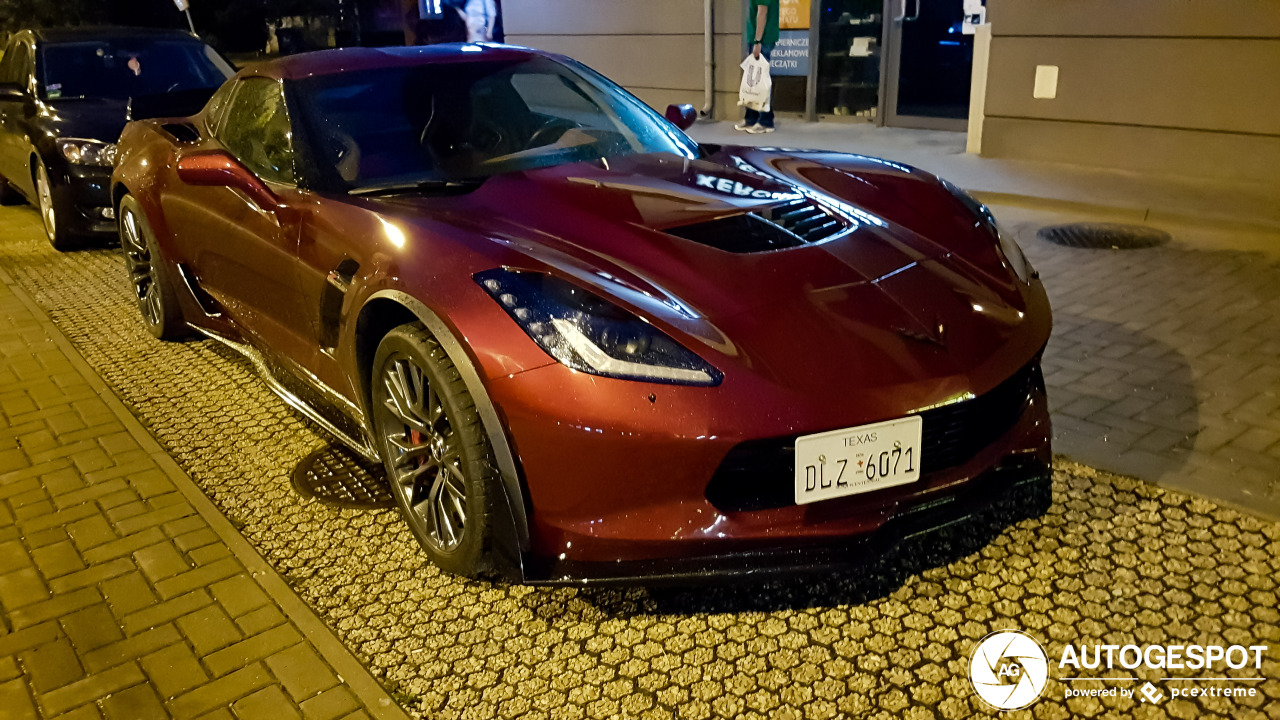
point(743, 127)
point(759, 129)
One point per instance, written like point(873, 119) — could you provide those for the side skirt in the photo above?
point(268, 373)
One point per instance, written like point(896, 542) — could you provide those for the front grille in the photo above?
point(793, 223)
point(759, 474)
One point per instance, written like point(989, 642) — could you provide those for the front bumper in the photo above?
point(82, 198)
point(620, 492)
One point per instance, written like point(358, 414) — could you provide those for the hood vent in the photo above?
point(796, 222)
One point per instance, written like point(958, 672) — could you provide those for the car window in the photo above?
point(389, 126)
point(216, 108)
point(126, 68)
point(256, 130)
point(17, 65)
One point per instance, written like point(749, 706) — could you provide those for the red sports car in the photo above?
point(585, 347)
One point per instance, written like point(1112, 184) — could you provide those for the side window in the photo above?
point(6, 63)
point(216, 108)
point(256, 130)
point(17, 64)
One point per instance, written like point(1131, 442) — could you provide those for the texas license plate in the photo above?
point(857, 459)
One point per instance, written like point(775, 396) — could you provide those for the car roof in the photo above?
point(81, 34)
point(329, 62)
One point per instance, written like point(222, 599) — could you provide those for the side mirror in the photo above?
point(12, 91)
point(682, 116)
point(218, 168)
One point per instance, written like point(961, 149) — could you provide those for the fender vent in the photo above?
point(335, 290)
point(796, 222)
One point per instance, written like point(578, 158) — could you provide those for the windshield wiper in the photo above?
point(435, 187)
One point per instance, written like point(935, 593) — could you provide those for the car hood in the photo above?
point(88, 118)
point(884, 299)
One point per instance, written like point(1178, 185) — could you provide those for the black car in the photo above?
point(66, 94)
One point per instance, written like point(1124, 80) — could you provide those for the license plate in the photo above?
point(857, 459)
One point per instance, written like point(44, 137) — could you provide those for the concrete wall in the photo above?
point(1187, 87)
point(652, 47)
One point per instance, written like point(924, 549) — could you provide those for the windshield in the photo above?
point(393, 128)
point(128, 68)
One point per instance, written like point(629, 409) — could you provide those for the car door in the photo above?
point(15, 146)
point(241, 253)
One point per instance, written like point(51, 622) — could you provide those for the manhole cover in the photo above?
point(1105, 236)
point(337, 476)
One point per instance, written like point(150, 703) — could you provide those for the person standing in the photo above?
point(762, 35)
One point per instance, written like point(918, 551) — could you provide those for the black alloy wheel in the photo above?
point(439, 460)
point(148, 277)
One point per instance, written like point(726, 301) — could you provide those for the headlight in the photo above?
point(87, 152)
point(588, 333)
point(1009, 248)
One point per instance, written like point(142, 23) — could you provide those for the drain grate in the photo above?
point(337, 476)
point(1104, 236)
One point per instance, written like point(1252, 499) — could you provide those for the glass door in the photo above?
point(930, 64)
point(848, 76)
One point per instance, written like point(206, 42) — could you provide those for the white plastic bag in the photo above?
point(757, 86)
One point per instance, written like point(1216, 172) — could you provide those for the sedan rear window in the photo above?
point(128, 68)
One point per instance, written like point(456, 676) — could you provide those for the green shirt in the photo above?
point(770, 36)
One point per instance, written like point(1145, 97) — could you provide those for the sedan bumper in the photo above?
point(83, 200)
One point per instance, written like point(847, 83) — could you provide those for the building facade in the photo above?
point(1186, 87)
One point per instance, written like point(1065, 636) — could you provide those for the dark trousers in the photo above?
point(755, 117)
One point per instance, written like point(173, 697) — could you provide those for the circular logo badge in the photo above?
point(1008, 670)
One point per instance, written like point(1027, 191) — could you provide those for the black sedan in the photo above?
point(64, 97)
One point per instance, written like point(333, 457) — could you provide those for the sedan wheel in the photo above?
point(438, 459)
point(147, 274)
point(58, 237)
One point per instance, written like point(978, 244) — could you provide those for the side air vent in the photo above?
point(791, 224)
point(182, 132)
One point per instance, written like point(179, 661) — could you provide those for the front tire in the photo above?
point(148, 276)
point(54, 229)
point(438, 458)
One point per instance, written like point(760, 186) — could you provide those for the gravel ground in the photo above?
point(1115, 561)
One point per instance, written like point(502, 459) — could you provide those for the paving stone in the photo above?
point(251, 649)
point(165, 612)
point(9, 668)
point(329, 704)
point(130, 648)
point(174, 670)
point(55, 607)
point(198, 577)
point(16, 701)
point(220, 692)
point(91, 493)
point(238, 595)
point(153, 518)
point(196, 539)
point(160, 561)
point(208, 629)
point(136, 703)
point(22, 587)
point(269, 702)
point(301, 671)
point(128, 594)
point(28, 637)
point(91, 575)
point(90, 532)
point(57, 559)
point(124, 546)
point(92, 688)
point(91, 628)
point(84, 712)
point(13, 556)
point(260, 620)
point(52, 666)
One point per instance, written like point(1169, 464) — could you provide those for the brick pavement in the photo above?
point(1165, 362)
point(125, 594)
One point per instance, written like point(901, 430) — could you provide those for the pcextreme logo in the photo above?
point(1009, 670)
